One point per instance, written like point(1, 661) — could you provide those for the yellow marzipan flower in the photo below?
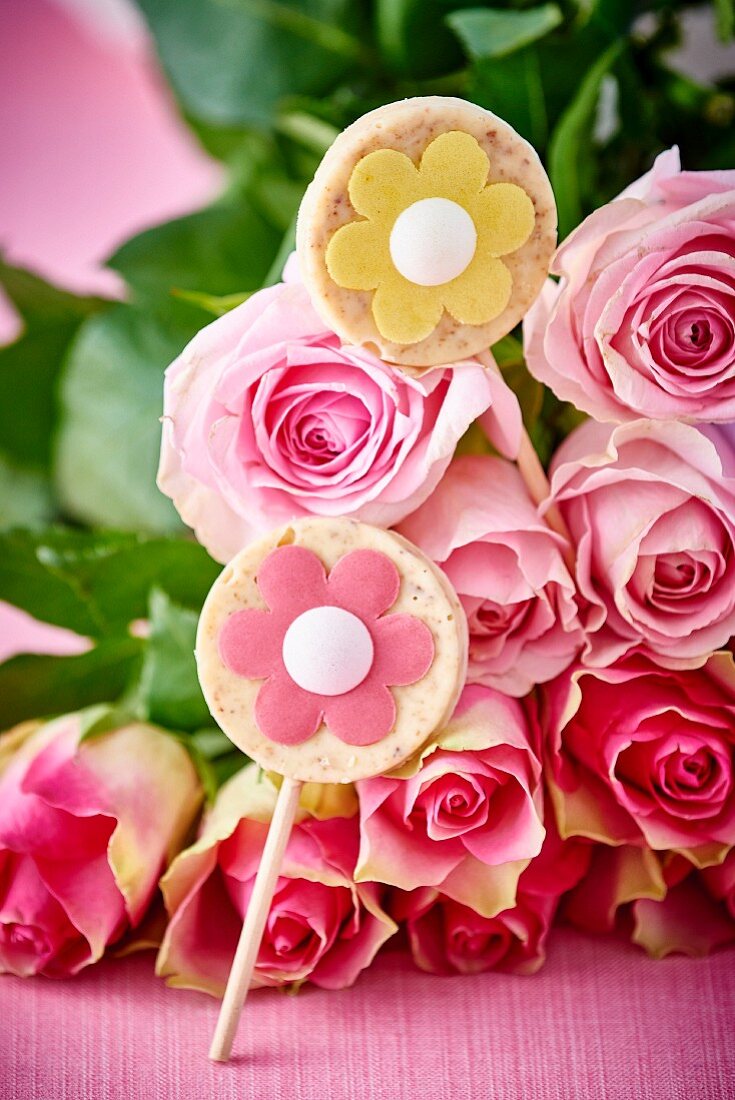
point(421, 257)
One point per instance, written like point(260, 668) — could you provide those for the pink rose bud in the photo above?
point(268, 417)
point(642, 322)
point(651, 508)
point(466, 817)
point(507, 567)
point(321, 926)
point(85, 832)
point(643, 755)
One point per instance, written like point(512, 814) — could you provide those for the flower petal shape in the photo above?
point(480, 293)
point(250, 644)
point(364, 582)
point(504, 217)
point(362, 716)
point(286, 713)
point(405, 312)
point(353, 256)
point(383, 183)
point(454, 166)
point(292, 579)
point(404, 649)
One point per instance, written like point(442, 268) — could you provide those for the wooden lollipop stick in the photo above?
point(537, 483)
point(251, 935)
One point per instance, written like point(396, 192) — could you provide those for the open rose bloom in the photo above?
point(267, 416)
point(86, 829)
point(642, 755)
point(322, 926)
point(642, 322)
point(466, 816)
point(651, 509)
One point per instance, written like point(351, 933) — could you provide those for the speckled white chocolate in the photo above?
point(409, 126)
point(421, 708)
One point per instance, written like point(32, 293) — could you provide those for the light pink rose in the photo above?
point(321, 926)
point(642, 755)
point(267, 417)
point(642, 322)
point(449, 938)
point(465, 817)
point(651, 508)
point(85, 832)
point(508, 569)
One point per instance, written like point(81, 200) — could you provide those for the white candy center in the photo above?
point(328, 651)
point(433, 241)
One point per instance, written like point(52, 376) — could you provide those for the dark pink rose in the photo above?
point(85, 832)
point(646, 756)
point(449, 938)
point(321, 926)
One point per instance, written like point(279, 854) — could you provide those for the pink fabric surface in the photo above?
point(599, 1021)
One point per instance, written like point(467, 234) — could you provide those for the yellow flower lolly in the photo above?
point(427, 231)
point(439, 219)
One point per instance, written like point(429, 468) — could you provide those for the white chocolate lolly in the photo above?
point(328, 651)
point(432, 257)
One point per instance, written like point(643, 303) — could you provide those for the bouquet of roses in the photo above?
point(588, 771)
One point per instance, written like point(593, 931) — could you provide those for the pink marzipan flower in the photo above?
point(321, 926)
point(268, 417)
point(642, 322)
point(86, 828)
point(293, 582)
point(651, 509)
point(507, 568)
point(643, 755)
point(465, 816)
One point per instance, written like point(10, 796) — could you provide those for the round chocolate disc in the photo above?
point(427, 231)
point(330, 651)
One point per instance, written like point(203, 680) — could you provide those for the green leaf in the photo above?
point(492, 32)
point(26, 499)
point(103, 718)
point(211, 303)
point(29, 367)
point(414, 38)
point(224, 250)
point(169, 687)
point(570, 147)
point(34, 298)
point(97, 584)
point(111, 402)
point(232, 61)
point(34, 687)
point(529, 392)
point(511, 87)
point(725, 19)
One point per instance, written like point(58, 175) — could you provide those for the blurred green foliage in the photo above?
point(265, 86)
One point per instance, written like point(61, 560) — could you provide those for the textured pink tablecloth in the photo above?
point(600, 1021)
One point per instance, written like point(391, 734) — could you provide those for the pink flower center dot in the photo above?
point(327, 651)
